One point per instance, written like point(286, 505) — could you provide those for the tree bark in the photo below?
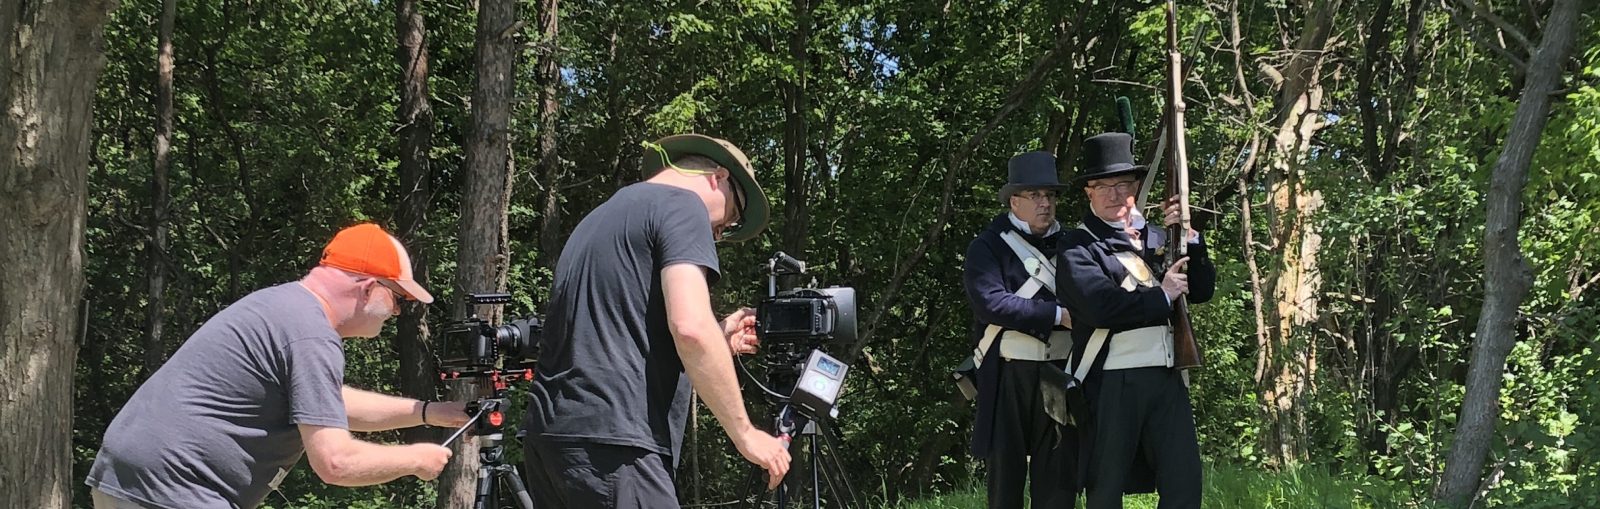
point(53, 53)
point(1289, 359)
point(796, 180)
point(483, 254)
point(155, 351)
point(1507, 276)
point(549, 164)
point(418, 377)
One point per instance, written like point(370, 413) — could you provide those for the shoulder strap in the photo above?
point(1081, 366)
point(1041, 275)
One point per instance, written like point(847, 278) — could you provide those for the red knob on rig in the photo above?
point(496, 418)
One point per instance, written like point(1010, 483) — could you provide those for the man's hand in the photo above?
point(1066, 318)
point(431, 458)
point(448, 414)
point(1176, 283)
point(740, 329)
point(766, 451)
point(1170, 207)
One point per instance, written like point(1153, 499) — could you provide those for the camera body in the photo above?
point(811, 316)
point(474, 345)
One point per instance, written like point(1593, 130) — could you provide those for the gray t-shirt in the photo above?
point(609, 370)
point(215, 427)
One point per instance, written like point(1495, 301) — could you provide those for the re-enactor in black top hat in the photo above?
point(1021, 343)
point(1142, 435)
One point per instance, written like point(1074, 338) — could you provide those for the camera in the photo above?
point(472, 344)
point(811, 316)
point(795, 326)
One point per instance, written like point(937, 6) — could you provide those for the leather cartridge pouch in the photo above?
point(1053, 387)
point(966, 375)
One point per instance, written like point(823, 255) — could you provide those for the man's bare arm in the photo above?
point(370, 411)
point(339, 459)
point(707, 358)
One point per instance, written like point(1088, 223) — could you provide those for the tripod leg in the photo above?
point(517, 488)
point(485, 498)
point(816, 473)
point(754, 490)
point(850, 495)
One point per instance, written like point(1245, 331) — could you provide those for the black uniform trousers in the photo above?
point(1022, 430)
point(571, 475)
point(1143, 412)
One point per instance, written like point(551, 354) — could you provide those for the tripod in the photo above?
point(824, 465)
point(489, 425)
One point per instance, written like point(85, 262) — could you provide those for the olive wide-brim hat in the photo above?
point(753, 219)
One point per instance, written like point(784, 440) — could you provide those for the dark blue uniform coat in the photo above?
point(992, 275)
point(1089, 281)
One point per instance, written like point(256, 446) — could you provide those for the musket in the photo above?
point(1186, 351)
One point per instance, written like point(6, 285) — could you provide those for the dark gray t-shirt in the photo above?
point(608, 370)
point(215, 427)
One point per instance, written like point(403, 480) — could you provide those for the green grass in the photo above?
point(1237, 488)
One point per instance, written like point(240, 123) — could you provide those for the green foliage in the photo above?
point(285, 133)
point(1237, 488)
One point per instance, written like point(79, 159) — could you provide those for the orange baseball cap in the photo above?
point(367, 249)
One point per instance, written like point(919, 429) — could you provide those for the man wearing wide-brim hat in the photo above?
point(1140, 435)
point(630, 329)
point(1020, 343)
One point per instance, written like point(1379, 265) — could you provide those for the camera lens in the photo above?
point(519, 338)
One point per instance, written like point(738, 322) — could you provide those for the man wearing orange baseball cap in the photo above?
point(262, 382)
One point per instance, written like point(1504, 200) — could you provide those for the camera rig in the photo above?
point(795, 326)
point(476, 349)
point(802, 380)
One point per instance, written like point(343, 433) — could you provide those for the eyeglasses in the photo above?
point(1037, 196)
point(399, 294)
point(1125, 187)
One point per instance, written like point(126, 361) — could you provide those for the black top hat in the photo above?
point(1108, 155)
point(1030, 170)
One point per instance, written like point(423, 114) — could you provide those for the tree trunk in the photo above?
point(483, 256)
point(549, 164)
point(415, 117)
point(1507, 276)
point(53, 53)
point(1383, 365)
point(796, 180)
point(155, 351)
point(1289, 359)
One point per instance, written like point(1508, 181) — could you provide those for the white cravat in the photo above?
point(1054, 226)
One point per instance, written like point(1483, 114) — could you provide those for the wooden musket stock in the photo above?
point(1186, 351)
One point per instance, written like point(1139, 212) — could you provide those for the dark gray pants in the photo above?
point(1022, 430)
point(571, 475)
point(1143, 412)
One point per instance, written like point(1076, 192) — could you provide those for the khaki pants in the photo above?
point(106, 501)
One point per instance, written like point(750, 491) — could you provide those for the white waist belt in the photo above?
point(1019, 346)
point(1140, 348)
